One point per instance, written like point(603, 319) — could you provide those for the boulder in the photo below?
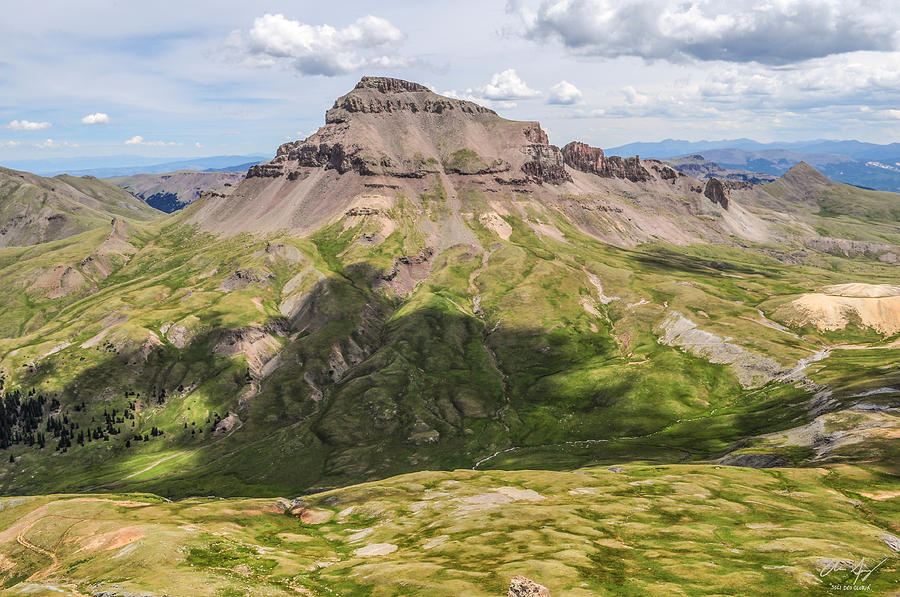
point(520, 586)
point(716, 192)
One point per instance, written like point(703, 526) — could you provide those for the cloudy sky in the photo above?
point(191, 78)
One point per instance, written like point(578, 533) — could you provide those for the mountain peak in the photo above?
point(392, 127)
point(379, 95)
point(390, 85)
point(804, 173)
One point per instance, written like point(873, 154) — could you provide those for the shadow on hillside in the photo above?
point(362, 393)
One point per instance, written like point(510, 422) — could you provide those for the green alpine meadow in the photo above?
point(425, 352)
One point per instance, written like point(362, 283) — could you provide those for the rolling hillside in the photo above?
point(422, 285)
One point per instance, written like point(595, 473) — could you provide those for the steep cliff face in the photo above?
point(716, 192)
point(390, 142)
point(582, 156)
point(397, 128)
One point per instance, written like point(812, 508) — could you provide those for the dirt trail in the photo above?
point(155, 464)
point(21, 540)
point(162, 460)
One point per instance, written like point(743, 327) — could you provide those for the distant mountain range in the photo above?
point(862, 164)
point(128, 165)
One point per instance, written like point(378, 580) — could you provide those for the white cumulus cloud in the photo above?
point(27, 125)
point(564, 93)
point(319, 49)
point(9, 143)
point(97, 118)
point(769, 32)
point(507, 86)
point(503, 88)
point(139, 140)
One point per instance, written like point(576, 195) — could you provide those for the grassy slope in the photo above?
point(662, 530)
point(86, 203)
point(533, 369)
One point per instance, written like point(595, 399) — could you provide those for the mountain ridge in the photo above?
point(590, 310)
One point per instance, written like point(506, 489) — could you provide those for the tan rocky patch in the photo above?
point(313, 515)
point(254, 343)
point(6, 564)
point(875, 306)
point(496, 224)
point(376, 549)
point(113, 540)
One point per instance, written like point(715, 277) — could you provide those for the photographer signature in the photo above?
point(858, 569)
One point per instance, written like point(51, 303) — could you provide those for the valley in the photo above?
point(423, 351)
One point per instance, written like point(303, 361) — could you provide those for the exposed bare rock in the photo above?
point(546, 164)
point(876, 306)
point(854, 248)
point(751, 460)
point(269, 170)
point(407, 271)
point(422, 433)
point(664, 171)
point(58, 282)
point(179, 335)
point(243, 278)
point(227, 425)
point(362, 211)
point(585, 158)
point(284, 252)
point(376, 95)
point(752, 369)
point(716, 192)
point(520, 586)
point(582, 156)
point(146, 349)
point(256, 344)
point(891, 541)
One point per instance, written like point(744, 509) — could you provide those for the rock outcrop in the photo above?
point(842, 247)
point(362, 129)
point(407, 271)
point(585, 158)
point(520, 586)
point(546, 164)
point(716, 192)
point(582, 156)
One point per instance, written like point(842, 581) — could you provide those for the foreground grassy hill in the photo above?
point(628, 530)
point(273, 364)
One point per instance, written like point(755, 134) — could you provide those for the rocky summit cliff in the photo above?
point(397, 128)
point(389, 139)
